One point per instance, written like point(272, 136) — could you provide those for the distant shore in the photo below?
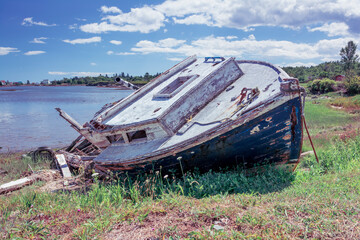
point(119, 87)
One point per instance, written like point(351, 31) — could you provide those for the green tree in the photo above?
point(348, 56)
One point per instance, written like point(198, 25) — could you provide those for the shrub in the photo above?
point(352, 83)
point(322, 85)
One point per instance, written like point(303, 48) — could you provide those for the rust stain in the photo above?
point(287, 137)
point(293, 122)
point(283, 129)
point(268, 119)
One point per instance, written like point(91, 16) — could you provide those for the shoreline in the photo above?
point(77, 85)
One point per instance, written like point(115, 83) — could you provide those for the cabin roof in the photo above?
point(158, 100)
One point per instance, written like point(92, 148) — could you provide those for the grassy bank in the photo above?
point(318, 201)
point(330, 120)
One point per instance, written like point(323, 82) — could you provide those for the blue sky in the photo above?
point(42, 39)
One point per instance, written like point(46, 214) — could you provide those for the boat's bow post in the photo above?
point(74, 124)
point(86, 131)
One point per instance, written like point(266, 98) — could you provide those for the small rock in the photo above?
point(14, 214)
point(3, 172)
point(218, 227)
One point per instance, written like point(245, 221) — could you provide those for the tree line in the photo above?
point(105, 79)
point(321, 78)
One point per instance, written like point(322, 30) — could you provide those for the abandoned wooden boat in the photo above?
point(202, 113)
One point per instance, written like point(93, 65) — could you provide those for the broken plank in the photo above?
point(15, 185)
point(60, 158)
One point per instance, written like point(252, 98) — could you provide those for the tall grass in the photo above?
point(320, 117)
point(341, 156)
point(326, 123)
point(266, 199)
point(346, 102)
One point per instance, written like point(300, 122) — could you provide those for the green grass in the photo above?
point(317, 201)
point(321, 117)
point(347, 102)
point(326, 124)
point(18, 165)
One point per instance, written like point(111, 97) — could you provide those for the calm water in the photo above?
point(28, 119)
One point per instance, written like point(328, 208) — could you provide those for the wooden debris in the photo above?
point(45, 175)
point(60, 158)
point(15, 185)
point(304, 154)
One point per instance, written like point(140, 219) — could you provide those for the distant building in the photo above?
point(17, 83)
point(2, 82)
point(339, 78)
point(45, 82)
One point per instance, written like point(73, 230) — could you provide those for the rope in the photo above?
point(254, 93)
point(312, 145)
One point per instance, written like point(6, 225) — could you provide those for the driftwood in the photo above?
point(44, 175)
point(304, 154)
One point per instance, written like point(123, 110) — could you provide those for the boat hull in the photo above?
point(274, 137)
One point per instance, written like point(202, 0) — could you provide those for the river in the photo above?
point(28, 119)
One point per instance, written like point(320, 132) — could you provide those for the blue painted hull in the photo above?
point(274, 137)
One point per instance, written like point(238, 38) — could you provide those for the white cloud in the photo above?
point(249, 48)
point(299, 64)
point(58, 73)
point(125, 53)
point(116, 42)
point(120, 53)
point(30, 53)
point(251, 37)
point(332, 29)
point(80, 74)
point(73, 26)
point(244, 15)
point(29, 22)
point(248, 14)
point(83, 40)
point(106, 9)
point(93, 64)
point(144, 20)
point(231, 37)
point(7, 50)
point(81, 19)
point(175, 59)
point(195, 19)
point(39, 40)
point(168, 45)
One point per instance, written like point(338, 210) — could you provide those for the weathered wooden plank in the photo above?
point(15, 185)
point(60, 158)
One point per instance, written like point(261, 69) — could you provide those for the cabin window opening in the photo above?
point(140, 134)
point(118, 138)
point(175, 86)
